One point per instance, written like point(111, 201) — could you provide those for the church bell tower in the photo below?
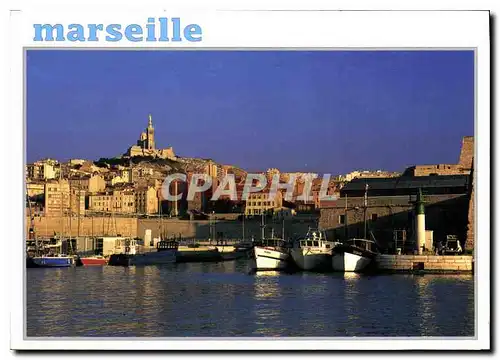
point(150, 132)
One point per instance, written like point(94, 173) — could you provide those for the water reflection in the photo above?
point(424, 304)
point(224, 300)
point(351, 306)
point(351, 276)
point(267, 307)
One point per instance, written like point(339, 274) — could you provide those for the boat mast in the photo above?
point(346, 230)
point(62, 218)
point(79, 198)
point(70, 245)
point(32, 226)
point(94, 245)
point(243, 226)
point(262, 235)
point(365, 206)
point(161, 219)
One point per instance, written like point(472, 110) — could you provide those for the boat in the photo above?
point(97, 260)
point(313, 252)
point(354, 255)
point(166, 253)
point(47, 261)
point(272, 254)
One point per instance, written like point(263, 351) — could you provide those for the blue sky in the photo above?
point(322, 111)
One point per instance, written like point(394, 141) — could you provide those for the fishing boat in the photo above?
point(166, 253)
point(313, 252)
point(272, 254)
point(124, 249)
point(354, 255)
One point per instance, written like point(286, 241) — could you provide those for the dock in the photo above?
point(434, 264)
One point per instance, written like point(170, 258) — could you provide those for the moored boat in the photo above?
point(50, 261)
point(313, 252)
point(354, 255)
point(94, 260)
point(272, 254)
point(166, 253)
point(125, 248)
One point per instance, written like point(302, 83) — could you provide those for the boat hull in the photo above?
point(152, 258)
point(50, 262)
point(348, 262)
point(194, 255)
point(312, 261)
point(270, 259)
point(94, 261)
point(119, 260)
point(155, 258)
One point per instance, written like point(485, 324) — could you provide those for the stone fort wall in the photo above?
point(134, 227)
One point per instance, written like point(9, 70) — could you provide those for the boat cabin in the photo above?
point(274, 243)
point(119, 245)
point(163, 245)
point(362, 244)
point(315, 239)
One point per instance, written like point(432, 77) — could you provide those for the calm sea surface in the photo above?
point(223, 299)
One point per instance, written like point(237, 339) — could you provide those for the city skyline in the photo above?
point(206, 103)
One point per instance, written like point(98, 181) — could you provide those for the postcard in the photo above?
point(215, 178)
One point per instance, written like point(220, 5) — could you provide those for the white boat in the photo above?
point(353, 256)
point(272, 254)
point(314, 252)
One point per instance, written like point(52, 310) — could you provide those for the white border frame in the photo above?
point(347, 29)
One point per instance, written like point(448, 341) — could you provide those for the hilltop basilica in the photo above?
point(146, 145)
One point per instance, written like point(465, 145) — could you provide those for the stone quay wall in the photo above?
point(425, 263)
point(83, 226)
point(134, 227)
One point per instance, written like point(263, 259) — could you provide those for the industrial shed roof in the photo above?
point(408, 182)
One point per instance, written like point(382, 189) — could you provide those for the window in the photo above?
point(374, 217)
point(341, 219)
point(316, 243)
point(309, 243)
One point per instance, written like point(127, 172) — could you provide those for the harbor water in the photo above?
point(225, 299)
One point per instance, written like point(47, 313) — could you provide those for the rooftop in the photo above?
point(407, 182)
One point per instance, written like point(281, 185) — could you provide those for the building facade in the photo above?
point(35, 188)
point(77, 201)
point(146, 200)
point(42, 170)
point(57, 198)
point(96, 184)
point(117, 201)
point(260, 203)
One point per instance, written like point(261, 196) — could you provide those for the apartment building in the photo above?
point(260, 203)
